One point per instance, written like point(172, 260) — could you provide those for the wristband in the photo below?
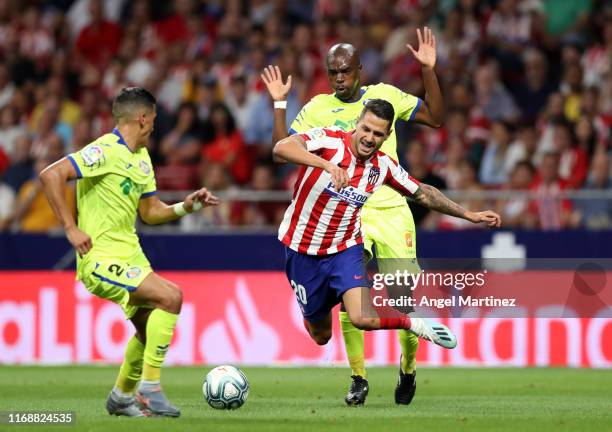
point(179, 209)
point(280, 104)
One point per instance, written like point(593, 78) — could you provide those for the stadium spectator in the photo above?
point(7, 88)
point(32, 212)
point(532, 91)
point(21, 168)
point(573, 159)
point(514, 209)
point(596, 213)
point(10, 130)
point(467, 182)
point(99, 40)
point(417, 166)
point(512, 61)
point(492, 98)
point(227, 146)
point(216, 177)
point(549, 210)
point(524, 147)
point(182, 146)
point(494, 169)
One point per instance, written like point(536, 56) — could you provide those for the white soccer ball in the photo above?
point(225, 387)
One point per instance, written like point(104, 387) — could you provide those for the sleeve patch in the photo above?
point(92, 155)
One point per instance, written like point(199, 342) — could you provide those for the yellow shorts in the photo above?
point(114, 279)
point(390, 231)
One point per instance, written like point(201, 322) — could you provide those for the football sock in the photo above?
point(160, 327)
point(409, 343)
point(354, 344)
point(131, 368)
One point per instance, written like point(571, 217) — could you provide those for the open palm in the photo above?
point(273, 79)
point(426, 54)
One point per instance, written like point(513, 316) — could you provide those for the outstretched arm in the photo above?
point(273, 79)
point(153, 211)
point(430, 197)
point(53, 180)
point(432, 111)
point(294, 149)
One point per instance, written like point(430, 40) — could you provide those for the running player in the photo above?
point(387, 221)
point(115, 182)
point(321, 228)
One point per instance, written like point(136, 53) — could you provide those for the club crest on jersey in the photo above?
point(144, 167)
point(133, 272)
point(373, 175)
point(92, 155)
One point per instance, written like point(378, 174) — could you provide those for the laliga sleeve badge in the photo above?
point(92, 155)
point(317, 133)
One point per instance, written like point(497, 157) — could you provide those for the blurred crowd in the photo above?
point(527, 86)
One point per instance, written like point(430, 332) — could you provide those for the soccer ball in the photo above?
point(225, 387)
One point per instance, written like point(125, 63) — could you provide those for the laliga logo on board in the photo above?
point(256, 341)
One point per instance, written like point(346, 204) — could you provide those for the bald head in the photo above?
point(343, 71)
point(345, 51)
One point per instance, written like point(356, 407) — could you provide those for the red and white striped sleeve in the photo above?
point(320, 138)
point(398, 179)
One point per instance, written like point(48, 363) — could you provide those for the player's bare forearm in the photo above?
point(53, 180)
point(279, 131)
point(293, 149)
point(430, 197)
point(432, 111)
point(153, 211)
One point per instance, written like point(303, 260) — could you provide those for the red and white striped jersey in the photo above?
point(321, 221)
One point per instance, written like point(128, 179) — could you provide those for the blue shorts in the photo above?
point(319, 281)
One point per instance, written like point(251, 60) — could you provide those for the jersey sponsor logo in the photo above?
point(346, 126)
point(348, 194)
point(373, 176)
point(144, 167)
point(126, 186)
point(408, 238)
point(92, 155)
point(133, 272)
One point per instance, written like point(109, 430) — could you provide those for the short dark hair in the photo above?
point(381, 109)
point(130, 98)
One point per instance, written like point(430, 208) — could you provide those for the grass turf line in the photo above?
point(305, 399)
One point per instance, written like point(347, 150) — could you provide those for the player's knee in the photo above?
point(172, 299)
point(321, 337)
point(362, 323)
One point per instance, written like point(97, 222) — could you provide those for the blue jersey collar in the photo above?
point(361, 93)
point(121, 140)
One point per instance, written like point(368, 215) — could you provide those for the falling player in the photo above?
point(321, 229)
point(115, 182)
point(387, 221)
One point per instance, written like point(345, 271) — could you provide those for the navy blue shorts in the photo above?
point(319, 281)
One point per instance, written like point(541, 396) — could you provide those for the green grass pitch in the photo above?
point(311, 399)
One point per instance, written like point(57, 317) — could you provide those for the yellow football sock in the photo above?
point(409, 342)
point(131, 368)
point(160, 328)
point(354, 344)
